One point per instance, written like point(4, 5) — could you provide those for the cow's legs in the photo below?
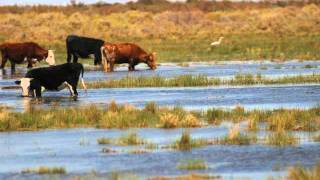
point(3, 62)
point(13, 66)
point(68, 56)
point(111, 65)
point(66, 84)
point(37, 92)
point(131, 64)
point(29, 63)
point(97, 58)
point(72, 85)
point(75, 58)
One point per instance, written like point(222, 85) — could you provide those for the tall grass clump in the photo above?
point(192, 164)
point(186, 142)
point(151, 107)
point(178, 117)
point(216, 115)
point(128, 139)
point(294, 119)
point(255, 117)
point(131, 138)
point(301, 173)
point(234, 137)
point(46, 170)
point(104, 140)
point(281, 138)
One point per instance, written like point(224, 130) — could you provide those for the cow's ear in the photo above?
point(18, 82)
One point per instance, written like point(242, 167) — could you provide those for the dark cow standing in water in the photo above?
point(83, 47)
point(126, 53)
point(53, 78)
point(17, 53)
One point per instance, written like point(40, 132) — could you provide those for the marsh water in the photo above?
point(223, 69)
point(200, 98)
point(300, 96)
point(77, 149)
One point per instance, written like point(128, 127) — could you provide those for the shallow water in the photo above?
point(199, 98)
point(222, 70)
point(78, 151)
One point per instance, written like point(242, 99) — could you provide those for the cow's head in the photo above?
point(30, 87)
point(25, 84)
point(110, 51)
point(151, 61)
point(50, 58)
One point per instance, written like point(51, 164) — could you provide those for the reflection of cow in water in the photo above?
point(83, 47)
point(126, 53)
point(18, 53)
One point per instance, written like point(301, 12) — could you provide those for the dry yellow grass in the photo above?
point(260, 33)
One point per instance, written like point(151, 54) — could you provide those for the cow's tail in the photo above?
point(82, 81)
point(104, 59)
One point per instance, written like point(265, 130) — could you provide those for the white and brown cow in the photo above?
point(18, 53)
point(53, 78)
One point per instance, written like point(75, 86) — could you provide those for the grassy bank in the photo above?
point(177, 32)
point(201, 80)
point(127, 116)
point(299, 172)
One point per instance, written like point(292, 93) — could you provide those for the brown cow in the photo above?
point(126, 53)
point(18, 53)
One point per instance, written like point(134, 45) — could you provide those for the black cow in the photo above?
point(83, 47)
point(53, 78)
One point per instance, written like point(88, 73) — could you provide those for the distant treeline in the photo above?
point(154, 6)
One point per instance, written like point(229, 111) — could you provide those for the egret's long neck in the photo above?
point(220, 39)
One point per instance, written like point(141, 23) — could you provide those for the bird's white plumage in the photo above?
point(217, 43)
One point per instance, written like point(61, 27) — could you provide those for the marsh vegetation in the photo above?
point(131, 138)
point(251, 30)
point(128, 116)
point(45, 170)
point(201, 80)
point(192, 164)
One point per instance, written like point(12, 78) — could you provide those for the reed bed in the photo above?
point(281, 139)
point(192, 176)
point(45, 170)
point(128, 116)
point(201, 80)
point(186, 142)
point(235, 137)
point(192, 164)
point(301, 173)
point(128, 139)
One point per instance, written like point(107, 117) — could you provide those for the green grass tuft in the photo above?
point(301, 173)
point(46, 170)
point(192, 164)
point(186, 142)
point(281, 139)
point(104, 140)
